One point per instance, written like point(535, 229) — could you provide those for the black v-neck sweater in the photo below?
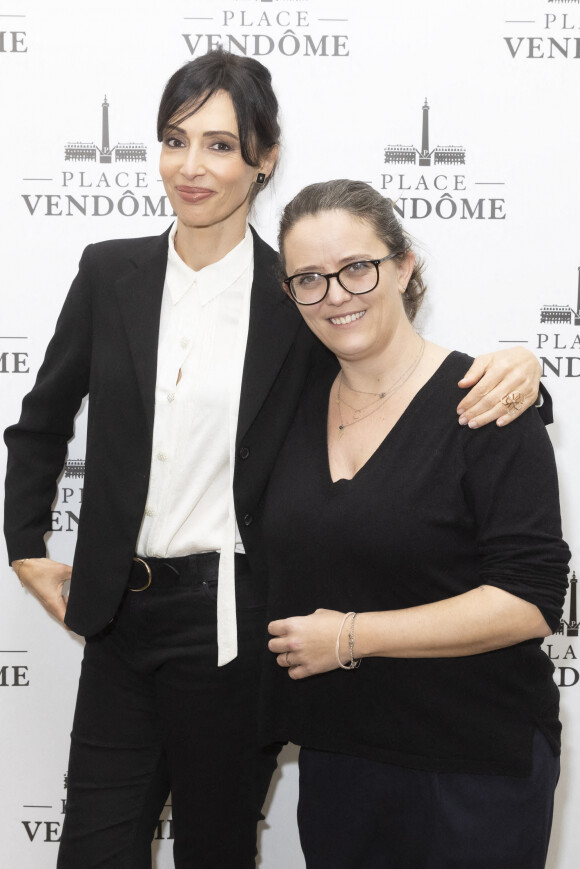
point(438, 509)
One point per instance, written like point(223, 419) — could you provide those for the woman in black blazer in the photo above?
point(165, 701)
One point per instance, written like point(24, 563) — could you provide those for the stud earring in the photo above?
point(260, 178)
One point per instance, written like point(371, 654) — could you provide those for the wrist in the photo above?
point(371, 632)
point(19, 565)
point(342, 648)
point(345, 659)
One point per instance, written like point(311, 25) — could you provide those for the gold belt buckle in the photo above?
point(149, 576)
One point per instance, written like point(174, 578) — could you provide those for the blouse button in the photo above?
point(244, 453)
point(248, 519)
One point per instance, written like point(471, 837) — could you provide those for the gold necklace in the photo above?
point(356, 411)
point(382, 397)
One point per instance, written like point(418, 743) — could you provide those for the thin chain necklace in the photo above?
point(382, 397)
point(356, 411)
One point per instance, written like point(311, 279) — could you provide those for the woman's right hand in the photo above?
point(45, 579)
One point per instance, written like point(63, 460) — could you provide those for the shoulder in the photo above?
point(264, 255)
point(267, 287)
point(442, 386)
point(452, 370)
point(438, 403)
point(117, 250)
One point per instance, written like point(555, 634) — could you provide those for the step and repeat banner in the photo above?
point(464, 113)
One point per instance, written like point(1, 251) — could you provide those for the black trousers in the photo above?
point(362, 814)
point(154, 713)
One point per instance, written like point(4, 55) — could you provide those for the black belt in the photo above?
point(201, 567)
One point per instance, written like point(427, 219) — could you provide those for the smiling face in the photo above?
point(203, 171)
point(353, 327)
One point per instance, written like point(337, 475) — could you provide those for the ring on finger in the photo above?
point(513, 401)
point(288, 664)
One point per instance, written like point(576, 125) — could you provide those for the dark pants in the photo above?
point(361, 814)
point(154, 713)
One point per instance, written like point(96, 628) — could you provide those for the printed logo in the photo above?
point(13, 38)
point(41, 829)
point(440, 193)
point(562, 313)
point(66, 512)
point(13, 360)
point(287, 29)
point(125, 153)
point(98, 191)
point(558, 346)
point(562, 362)
point(547, 35)
point(559, 648)
point(13, 673)
point(446, 155)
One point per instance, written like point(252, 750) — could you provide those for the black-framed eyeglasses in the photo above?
point(309, 288)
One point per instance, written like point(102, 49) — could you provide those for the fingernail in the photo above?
point(502, 420)
point(462, 420)
point(473, 424)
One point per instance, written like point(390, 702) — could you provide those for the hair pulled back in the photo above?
point(249, 85)
point(366, 204)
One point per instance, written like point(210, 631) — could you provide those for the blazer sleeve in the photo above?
point(37, 444)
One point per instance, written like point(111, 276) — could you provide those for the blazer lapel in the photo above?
point(139, 293)
point(274, 323)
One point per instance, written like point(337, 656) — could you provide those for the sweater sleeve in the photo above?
point(511, 485)
point(37, 444)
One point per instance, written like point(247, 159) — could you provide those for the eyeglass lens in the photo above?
point(359, 277)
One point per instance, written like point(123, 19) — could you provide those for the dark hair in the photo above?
point(249, 85)
point(366, 204)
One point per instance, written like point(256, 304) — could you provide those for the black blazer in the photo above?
point(105, 345)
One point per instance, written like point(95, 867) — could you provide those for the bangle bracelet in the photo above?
point(352, 664)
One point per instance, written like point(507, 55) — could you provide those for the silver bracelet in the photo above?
point(352, 664)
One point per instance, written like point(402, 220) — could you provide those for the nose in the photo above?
point(336, 295)
point(192, 163)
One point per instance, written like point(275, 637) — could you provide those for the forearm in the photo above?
point(480, 620)
point(32, 472)
point(37, 444)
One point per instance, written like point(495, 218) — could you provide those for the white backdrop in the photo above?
point(495, 211)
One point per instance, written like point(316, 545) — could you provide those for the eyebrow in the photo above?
point(172, 128)
point(345, 260)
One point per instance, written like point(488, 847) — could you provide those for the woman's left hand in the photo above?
point(306, 645)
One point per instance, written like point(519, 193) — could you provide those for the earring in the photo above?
point(260, 178)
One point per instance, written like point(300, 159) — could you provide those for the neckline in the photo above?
point(341, 481)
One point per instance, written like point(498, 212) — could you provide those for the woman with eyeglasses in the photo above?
point(415, 566)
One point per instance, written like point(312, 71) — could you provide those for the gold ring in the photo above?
point(513, 401)
point(149, 576)
point(288, 664)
